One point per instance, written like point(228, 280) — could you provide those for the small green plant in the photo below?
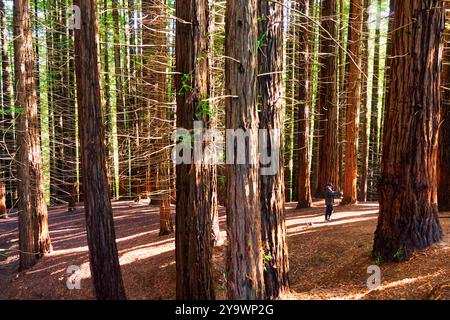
point(260, 41)
point(15, 110)
point(267, 258)
point(378, 259)
point(400, 254)
point(186, 80)
point(203, 107)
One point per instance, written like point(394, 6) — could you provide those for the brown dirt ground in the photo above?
point(328, 260)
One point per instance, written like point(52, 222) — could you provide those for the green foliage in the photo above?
point(378, 259)
point(203, 107)
point(267, 258)
point(200, 58)
point(186, 86)
point(260, 41)
point(401, 253)
point(15, 110)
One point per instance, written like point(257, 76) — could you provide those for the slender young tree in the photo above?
point(6, 120)
point(245, 278)
point(34, 238)
point(196, 182)
point(104, 262)
point(290, 84)
point(304, 97)
point(342, 86)
point(362, 192)
point(273, 226)
point(353, 101)
point(328, 167)
point(121, 112)
point(409, 219)
point(315, 9)
point(374, 165)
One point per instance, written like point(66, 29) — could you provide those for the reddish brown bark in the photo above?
point(408, 219)
point(304, 98)
point(353, 101)
point(374, 145)
point(104, 262)
point(155, 94)
point(362, 191)
point(328, 166)
point(273, 226)
point(444, 132)
point(244, 255)
point(34, 238)
point(196, 182)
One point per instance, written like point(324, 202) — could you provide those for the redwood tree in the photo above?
point(353, 101)
point(328, 165)
point(104, 262)
point(444, 133)
point(408, 217)
point(273, 226)
point(6, 119)
point(196, 182)
point(155, 94)
point(304, 98)
point(244, 257)
point(362, 192)
point(34, 238)
point(374, 165)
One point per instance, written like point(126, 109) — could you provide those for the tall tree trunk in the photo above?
point(362, 194)
point(104, 262)
point(196, 182)
point(444, 132)
point(353, 101)
point(409, 218)
point(34, 238)
point(315, 160)
point(328, 167)
point(64, 110)
point(7, 148)
point(304, 98)
point(289, 126)
point(37, 55)
point(374, 166)
point(217, 29)
point(244, 259)
point(342, 71)
point(387, 67)
point(273, 226)
point(121, 114)
point(107, 96)
point(155, 86)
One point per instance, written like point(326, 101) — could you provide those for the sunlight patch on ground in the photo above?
point(144, 253)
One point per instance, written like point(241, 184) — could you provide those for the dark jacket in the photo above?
point(330, 195)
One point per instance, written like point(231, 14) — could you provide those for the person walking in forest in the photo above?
point(330, 194)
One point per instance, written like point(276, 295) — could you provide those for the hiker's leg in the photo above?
point(328, 212)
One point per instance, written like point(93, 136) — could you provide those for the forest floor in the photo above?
point(328, 260)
